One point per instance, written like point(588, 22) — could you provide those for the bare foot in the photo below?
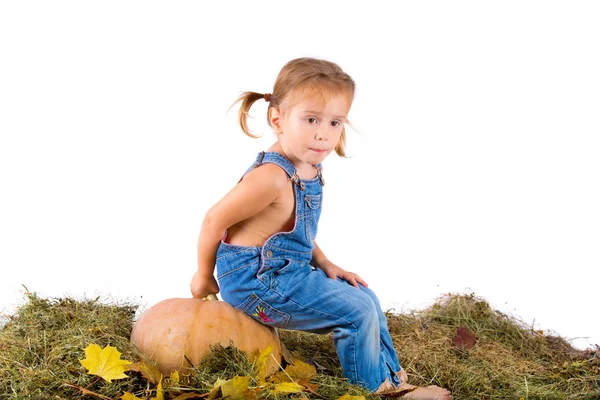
point(426, 393)
point(406, 391)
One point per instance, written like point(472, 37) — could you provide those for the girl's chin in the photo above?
point(316, 158)
point(312, 157)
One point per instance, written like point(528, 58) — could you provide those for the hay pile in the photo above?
point(509, 360)
point(42, 343)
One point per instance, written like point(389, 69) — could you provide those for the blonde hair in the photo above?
point(297, 79)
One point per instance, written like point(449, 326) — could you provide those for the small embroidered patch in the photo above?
point(260, 313)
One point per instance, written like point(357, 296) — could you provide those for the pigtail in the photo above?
point(340, 147)
point(247, 99)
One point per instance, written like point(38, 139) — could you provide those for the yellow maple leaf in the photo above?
point(300, 370)
point(106, 362)
point(347, 396)
point(160, 394)
point(288, 387)
point(236, 388)
point(232, 389)
point(261, 363)
point(148, 371)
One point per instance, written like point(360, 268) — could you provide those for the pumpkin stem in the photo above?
point(211, 297)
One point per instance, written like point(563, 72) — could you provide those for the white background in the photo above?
point(474, 164)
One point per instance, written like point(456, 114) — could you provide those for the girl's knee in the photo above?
point(369, 293)
point(367, 310)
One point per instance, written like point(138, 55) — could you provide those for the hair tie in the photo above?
point(267, 97)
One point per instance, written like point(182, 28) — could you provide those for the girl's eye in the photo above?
point(310, 119)
point(335, 123)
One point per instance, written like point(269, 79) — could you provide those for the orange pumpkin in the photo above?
point(175, 329)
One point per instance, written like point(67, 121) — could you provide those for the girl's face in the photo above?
point(309, 131)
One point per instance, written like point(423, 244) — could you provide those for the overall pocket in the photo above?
point(312, 212)
point(235, 261)
point(236, 271)
point(264, 313)
point(279, 278)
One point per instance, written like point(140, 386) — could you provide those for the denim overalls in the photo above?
point(276, 285)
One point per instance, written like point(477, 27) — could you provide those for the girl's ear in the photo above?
point(275, 119)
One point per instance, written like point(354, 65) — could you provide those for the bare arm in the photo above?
point(333, 271)
point(318, 257)
point(259, 188)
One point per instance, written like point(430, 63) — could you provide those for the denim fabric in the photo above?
point(276, 285)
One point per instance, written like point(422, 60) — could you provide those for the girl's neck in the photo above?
point(303, 169)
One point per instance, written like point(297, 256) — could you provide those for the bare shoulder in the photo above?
point(267, 174)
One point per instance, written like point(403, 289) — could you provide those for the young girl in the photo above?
point(261, 235)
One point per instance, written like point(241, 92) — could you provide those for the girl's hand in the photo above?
point(333, 271)
point(201, 286)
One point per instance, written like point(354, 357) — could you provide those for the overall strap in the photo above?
point(285, 164)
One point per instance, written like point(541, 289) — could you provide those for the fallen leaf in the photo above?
point(464, 339)
point(232, 389)
point(160, 395)
point(261, 363)
point(287, 387)
point(300, 370)
point(310, 387)
point(396, 392)
point(287, 356)
point(215, 393)
point(149, 371)
point(347, 396)
point(312, 361)
point(105, 363)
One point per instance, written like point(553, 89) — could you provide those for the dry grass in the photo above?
point(509, 360)
point(42, 343)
